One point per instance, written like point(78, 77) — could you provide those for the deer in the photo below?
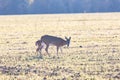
point(49, 40)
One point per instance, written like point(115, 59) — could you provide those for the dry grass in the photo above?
point(94, 53)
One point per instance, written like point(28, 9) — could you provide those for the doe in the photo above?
point(52, 40)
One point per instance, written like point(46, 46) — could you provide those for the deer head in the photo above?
point(68, 41)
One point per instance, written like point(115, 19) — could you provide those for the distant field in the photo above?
point(94, 52)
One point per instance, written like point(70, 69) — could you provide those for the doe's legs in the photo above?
point(39, 49)
point(46, 49)
point(57, 50)
point(61, 50)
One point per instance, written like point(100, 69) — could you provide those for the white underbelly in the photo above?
point(51, 44)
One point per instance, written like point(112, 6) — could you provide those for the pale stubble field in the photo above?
point(94, 52)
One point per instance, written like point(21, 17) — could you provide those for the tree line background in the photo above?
point(57, 6)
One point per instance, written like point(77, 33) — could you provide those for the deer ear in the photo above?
point(69, 37)
point(66, 37)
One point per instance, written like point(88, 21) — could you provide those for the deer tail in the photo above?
point(38, 43)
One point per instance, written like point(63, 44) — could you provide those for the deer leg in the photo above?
point(61, 50)
point(57, 50)
point(46, 49)
point(38, 50)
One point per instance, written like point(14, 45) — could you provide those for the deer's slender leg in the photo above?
point(57, 50)
point(61, 50)
point(46, 49)
point(39, 50)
